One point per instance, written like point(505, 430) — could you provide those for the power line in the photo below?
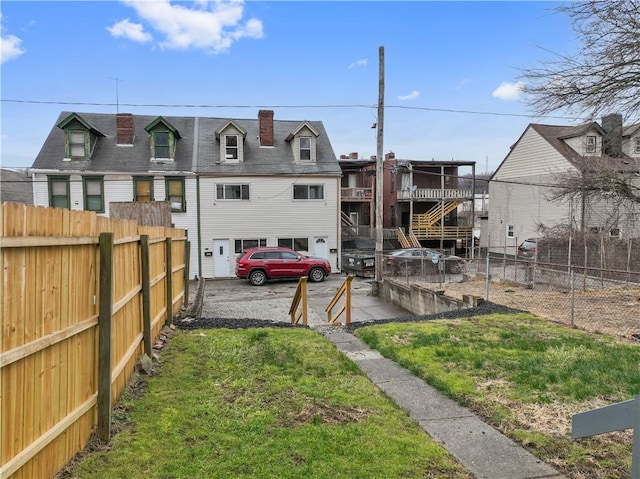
point(330, 106)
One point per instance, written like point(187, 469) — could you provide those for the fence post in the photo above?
point(187, 261)
point(573, 297)
point(169, 280)
point(486, 280)
point(146, 294)
point(104, 336)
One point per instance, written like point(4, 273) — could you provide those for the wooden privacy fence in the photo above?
point(82, 298)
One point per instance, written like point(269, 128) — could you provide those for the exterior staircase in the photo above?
point(429, 225)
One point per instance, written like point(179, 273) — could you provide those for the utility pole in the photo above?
point(379, 168)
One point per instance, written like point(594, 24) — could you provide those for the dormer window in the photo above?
point(303, 141)
point(76, 141)
point(231, 137)
point(161, 144)
point(591, 144)
point(80, 137)
point(305, 148)
point(163, 139)
point(231, 147)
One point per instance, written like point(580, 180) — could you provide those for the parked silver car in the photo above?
point(414, 260)
point(527, 249)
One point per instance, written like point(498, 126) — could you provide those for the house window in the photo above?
point(244, 244)
point(93, 193)
point(591, 144)
point(305, 148)
point(59, 192)
point(636, 150)
point(297, 244)
point(511, 231)
point(175, 194)
point(76, 145)
point(308, 192)
point(231, 147)
point(161, 144)
point(232, 192)
point(143, 189)
point(615, 233)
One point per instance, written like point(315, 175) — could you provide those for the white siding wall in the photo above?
point(579, 144)
point(532, 156)
point(187, 220)
point(517, 197)
point(629, 146)
point(270, 213)
point(40, 190)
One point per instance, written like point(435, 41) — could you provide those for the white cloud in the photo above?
point(9, 46)
point(360, 63)
point(509, 91)
point(132, 31)
point(414, 94)
point(209, 25)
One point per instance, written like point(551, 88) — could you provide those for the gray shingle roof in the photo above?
point(554, 135)
point(16, 187)
point(197, 150)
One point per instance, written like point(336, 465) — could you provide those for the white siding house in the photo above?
point(270, 216)
point(520, 187)
point(230, 182)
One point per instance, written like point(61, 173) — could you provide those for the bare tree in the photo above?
point(604, 75)
point(605, 189)
point(602, 179)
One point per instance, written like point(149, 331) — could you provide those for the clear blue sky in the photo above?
point(304, 60)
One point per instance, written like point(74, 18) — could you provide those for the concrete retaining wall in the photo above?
point(420, 300)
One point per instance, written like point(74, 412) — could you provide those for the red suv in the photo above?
point(260, 264)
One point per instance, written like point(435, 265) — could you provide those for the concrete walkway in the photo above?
point(484, 451)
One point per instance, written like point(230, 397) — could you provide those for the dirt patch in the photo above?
point(322, 413)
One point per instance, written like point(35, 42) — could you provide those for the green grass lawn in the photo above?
point(262, 403)
point(527, 377)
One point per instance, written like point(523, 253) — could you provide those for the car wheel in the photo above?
point(316, 275)
point(257, 277)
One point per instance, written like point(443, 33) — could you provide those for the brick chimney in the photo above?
point(353, 155)
point(390, 156)
point(124, 129)
point(265, 119)
point(612, 141)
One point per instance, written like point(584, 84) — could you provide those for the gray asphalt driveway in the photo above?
point(236, 298)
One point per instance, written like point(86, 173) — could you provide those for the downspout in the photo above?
point(199, 225)
point(339, 227)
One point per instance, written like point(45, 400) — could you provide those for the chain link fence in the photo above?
point(585, 296)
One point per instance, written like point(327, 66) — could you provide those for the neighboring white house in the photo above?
point(232, 183)
point(520, 187)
